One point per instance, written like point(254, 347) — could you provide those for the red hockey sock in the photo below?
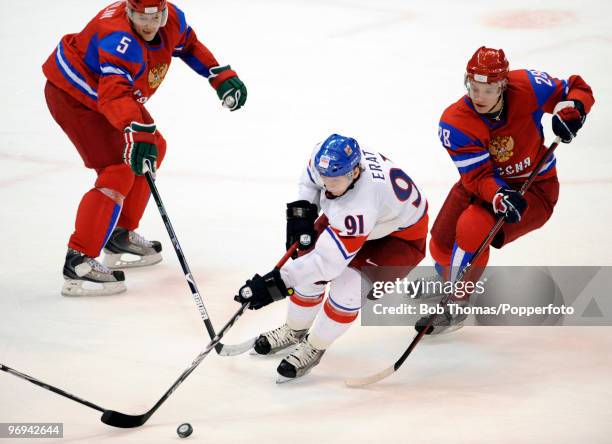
point(96, 218)
point(135, 204)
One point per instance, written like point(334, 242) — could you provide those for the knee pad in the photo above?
point(473, 226)
point(118, 178)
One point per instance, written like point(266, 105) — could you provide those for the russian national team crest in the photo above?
point(501, 148)
point(157, 74)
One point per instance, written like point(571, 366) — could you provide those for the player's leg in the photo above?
point(393, 258)
point(100, 146)
point(96, 218)
point(126, 248)
point(303, 306)
point(339, 311)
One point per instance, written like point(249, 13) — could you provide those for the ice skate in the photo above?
point(276, 340)
point(444, 323)
point(127, 249)
point(85, 276)
point(299, 362)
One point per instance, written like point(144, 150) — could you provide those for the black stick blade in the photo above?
point(121, 420)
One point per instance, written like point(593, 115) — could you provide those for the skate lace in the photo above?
point(97, 266)
point(303, 355)
point(138, 239)
point(281, 336)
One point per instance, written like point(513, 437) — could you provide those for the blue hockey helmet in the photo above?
point(337, 156)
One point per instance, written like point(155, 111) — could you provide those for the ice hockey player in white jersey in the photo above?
point(373, 225)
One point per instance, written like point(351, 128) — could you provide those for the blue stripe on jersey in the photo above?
point(537, 119)
point(124, 46)
point(195, 64)
point(91, 56)
point(72, 75)
point(310, 175)
point(565, 90)
point(543, 85)
point(499, 181)
point(467, 156)
point(453, 139)
point(465, 166)
point(108, 70)
point(181, 18)
point(339, 244)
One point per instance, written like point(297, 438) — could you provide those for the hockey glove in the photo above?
point(261, 291)
point(568, 117)
point(231, 90)
point(510, 204)
point(301, 216)
point(140, 147)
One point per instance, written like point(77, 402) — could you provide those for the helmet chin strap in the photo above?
point(496, 103)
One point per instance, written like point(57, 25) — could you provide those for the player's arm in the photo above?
point(302, 213)
point(198, 57)
point(472, 159)
point(478, 174)
point(335, 249)
point(121, 63)
point(568, 100)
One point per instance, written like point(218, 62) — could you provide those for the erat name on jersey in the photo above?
point(373, 165)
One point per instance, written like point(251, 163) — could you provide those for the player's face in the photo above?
point(338, 185)
point(484, 95)
point(146, 25)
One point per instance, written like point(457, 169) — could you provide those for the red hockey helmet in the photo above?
point(488, 65)
point(147, 6)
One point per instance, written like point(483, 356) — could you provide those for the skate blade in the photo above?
point(74, 287)
point(280, 379)
point(283, 379)
point(116, 261)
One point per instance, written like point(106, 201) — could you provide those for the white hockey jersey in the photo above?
point(384, 201)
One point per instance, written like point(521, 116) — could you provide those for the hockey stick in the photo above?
point(222, 349)
point(117, 419)
point(359, 382)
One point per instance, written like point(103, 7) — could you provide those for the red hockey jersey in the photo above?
point(109, 68)
point(490, 154)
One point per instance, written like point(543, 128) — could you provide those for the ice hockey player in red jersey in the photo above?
point(373, 227)
point(494, 136)
point(98, 82)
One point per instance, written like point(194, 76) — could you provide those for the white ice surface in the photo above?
point(380, 71)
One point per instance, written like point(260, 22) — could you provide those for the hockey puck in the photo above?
point(184, 430)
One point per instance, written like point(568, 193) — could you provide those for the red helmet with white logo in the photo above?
point(147, 6)
point(488, 65)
